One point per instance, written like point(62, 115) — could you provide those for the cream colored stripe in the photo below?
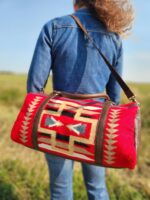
point(46, 131)
point(76, 104)
point(93, 127)
point(65, 146)
point(51, 113)
point(60, 151)
point(85, 111)
point(86, 107)
point(66, 102)
point(77, 117)
point(89, 112)
point(53, 140)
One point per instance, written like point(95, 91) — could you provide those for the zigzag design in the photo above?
point(27, 118)
point(109, 156)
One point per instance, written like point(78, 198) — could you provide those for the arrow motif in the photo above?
point(77, 128)
point(51, 122)
point(109, 156)
point(27, 119)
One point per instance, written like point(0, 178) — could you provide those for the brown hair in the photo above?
point(117, 15)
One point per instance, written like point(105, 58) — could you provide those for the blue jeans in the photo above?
point(61, 171)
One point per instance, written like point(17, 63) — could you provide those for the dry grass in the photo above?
point(123, 184)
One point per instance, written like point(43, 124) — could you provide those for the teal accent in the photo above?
point(81, 128)
point(49, 121)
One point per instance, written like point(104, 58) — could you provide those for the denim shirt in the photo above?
point(63, 49)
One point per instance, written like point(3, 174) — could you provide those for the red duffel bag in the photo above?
point(79, 127)
point(85, 130)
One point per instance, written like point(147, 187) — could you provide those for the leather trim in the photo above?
point(128, 92)
point(100, 133)
point(82, 96)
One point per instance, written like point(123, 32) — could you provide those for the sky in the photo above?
point(21, 22)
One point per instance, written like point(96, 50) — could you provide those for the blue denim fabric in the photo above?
point(76, 66)
point(61, 174)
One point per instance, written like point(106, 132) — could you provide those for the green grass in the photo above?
point(17, 182)
point(24, 174)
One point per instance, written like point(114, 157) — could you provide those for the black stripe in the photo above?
point(52, 109)
point(86, 116)
point(67, 113)
point(62, 137)
point(45, 135)
point(81, 144)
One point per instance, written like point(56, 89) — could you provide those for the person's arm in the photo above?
point(113, 88)
point(41, 62)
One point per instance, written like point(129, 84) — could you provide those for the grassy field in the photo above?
point(23, 172)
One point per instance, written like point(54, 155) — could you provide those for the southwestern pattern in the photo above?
point(112, 134)
point(73, 129)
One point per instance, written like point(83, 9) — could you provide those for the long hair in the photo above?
point(116, 15)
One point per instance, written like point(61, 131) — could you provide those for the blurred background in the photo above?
point(23, 172)
point(22, 21)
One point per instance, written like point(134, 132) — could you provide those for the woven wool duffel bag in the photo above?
point(79, 127)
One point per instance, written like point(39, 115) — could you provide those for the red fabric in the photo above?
point(65, 133)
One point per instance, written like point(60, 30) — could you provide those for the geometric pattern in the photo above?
point(77, 128)
point(110, 141)
point(51, 122)
point(69, 128)
point(27, 118)
point(81, 120)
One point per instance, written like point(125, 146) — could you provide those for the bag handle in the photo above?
point(81, 96)
point(130, 95)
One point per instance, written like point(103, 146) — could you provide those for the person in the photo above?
point(78, 68)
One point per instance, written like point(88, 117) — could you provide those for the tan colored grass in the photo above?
point(139, 178)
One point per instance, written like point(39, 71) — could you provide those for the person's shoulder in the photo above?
point(117, 40)
point(59, 22)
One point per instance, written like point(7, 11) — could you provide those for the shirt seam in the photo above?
point(89, 30)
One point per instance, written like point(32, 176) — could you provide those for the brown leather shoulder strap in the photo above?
point(130, 95)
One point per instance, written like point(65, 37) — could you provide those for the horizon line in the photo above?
point(3, 72)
